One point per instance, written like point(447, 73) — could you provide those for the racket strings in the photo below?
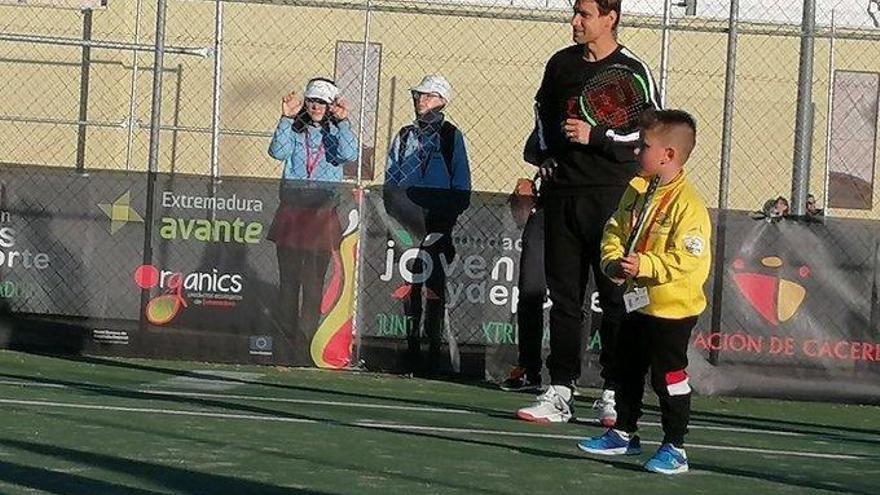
point(614, 98)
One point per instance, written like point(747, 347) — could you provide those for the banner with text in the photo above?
point(251, 270)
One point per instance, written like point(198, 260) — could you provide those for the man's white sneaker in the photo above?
point(605, 406)
point(553, 406)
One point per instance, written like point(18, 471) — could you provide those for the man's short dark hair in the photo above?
point(606, 7)
point(676, 123)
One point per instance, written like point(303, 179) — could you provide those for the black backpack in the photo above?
point(447, 143)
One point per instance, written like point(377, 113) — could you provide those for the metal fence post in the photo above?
point(218, 91)
point(831, 74)
point(362, 194)
point(664, 52)
point(153, 161)
point(83, 116)
point(724, 177)
point(802, 152)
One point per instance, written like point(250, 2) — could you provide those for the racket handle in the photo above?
point(643, 213)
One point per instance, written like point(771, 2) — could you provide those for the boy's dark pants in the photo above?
point(648, 342)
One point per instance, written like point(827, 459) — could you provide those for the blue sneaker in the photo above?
point(611, 443)
point(668, 460)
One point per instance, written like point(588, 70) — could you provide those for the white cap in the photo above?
point(321, 89)
point(435, 84)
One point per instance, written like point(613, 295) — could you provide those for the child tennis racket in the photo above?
point(639, 224)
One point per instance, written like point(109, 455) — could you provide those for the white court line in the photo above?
point(173, 412)
point(366, 405)
point(306, 401)
point(22, 383)
point(796, 453)
point(206, 395)
point(387, 426)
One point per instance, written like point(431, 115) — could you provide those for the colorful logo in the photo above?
point(775, 298)
point(164, 307)
point(411, 254)
point(212, 288)
point(331, 345)
point(120, 212)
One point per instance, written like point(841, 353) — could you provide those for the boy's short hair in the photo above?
point(678, 126)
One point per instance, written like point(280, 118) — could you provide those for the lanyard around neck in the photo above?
point(312, 161)
point(644, 230)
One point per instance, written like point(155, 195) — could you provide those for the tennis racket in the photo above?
point(639, 224)
point(615, 98)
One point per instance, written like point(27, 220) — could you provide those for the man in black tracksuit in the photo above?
point(587, 168)
point(532, 285)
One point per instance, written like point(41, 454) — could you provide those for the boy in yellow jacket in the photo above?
point(665, 272)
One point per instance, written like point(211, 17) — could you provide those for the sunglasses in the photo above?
point(417, 95)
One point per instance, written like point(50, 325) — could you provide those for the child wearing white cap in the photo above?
point(313, 140)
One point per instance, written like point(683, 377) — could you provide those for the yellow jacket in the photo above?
point(673, 248)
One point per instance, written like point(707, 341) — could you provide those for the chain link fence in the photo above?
point(76, 87)
point(76, 90)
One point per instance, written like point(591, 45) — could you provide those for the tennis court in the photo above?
point(97, 425)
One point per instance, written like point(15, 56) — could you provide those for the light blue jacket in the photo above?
point(340, 146)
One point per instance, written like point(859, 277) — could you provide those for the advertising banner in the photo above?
point(254, 271)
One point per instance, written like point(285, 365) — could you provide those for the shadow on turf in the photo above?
point(542, 453)
point(782, 479)
point(174, 478)
point(108, 391)
point(715, 418)
point(321, 462)
point(734, 420)
point(46, 480)
point(145, 395)
point(242, 381)
point(741, 473)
